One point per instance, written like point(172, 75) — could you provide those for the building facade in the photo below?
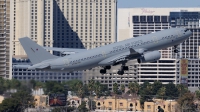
point(32, 18)
point(43, 76)
point(84, 23)
point(190, 48)
point(135, 22)
point(64, 23)
point(5, 40)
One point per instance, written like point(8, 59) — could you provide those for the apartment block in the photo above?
point(84, 23)
point(5, 40)
point(32, 18)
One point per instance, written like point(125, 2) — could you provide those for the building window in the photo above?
point(110, 103)
point(135, 19)
point(142, 18)
point(148, 106)
point(149, 18)
point(156, 18)
point(163, 18)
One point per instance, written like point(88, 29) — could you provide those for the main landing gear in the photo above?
point(103, 71)
point(175, 49)
point(123, 68)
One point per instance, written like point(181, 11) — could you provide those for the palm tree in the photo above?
point(97, 89)
point(122, 88)
point(80, 90)
point(91, 87)
point(131, 87)
point(162, 92)
point(115, 88)
point(134, 88)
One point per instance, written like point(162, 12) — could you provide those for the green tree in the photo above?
point(10, 105)
point(72, 84)
point(161, 92)
point(181, 89)
point(15, 84)
point(91, 89)
point(82, 107)
point(81, 91)
point(156, 86)
point(197, 94)
point(98, 89)
point(122, 88)
point(171, 90)
point(115, 88)
point(186, 102)
point(53, 87)
point(145, 92)
point(105, 91)
point(24, 98)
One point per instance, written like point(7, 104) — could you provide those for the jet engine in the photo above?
point(149, 57)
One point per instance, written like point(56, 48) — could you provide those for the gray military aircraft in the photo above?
point(143, 48)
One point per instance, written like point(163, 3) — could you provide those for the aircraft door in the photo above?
point(178, 34)
point(66, 62)
point(104, 53)
point(155, 39)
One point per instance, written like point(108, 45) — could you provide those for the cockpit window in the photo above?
point(186, 30)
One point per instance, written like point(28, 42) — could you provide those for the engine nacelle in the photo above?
point(149, 57)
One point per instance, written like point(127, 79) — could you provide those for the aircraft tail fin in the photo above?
point(35, 52)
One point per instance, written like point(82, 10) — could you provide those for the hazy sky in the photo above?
point(158, 3)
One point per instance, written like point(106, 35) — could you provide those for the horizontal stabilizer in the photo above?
point(21, 66)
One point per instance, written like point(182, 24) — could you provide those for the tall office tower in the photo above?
point(190, 48)
point(32, 18)
point(139, 21)
point(5, 56)
point(84, 23)
point(35, 19)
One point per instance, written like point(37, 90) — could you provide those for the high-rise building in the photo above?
point(32, 18)
point(5, 40)
point(135, 22)
point(190, 48)
point(65, 23)
point(84, 23)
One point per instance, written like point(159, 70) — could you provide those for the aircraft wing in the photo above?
point(65, 50)
point(131, 54)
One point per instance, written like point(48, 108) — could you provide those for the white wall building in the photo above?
point(133, 22)
point(5, 40)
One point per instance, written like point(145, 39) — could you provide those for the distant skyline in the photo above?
point(158, 3)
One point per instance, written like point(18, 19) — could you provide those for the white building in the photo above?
point(133, 22)
point(5, 40)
